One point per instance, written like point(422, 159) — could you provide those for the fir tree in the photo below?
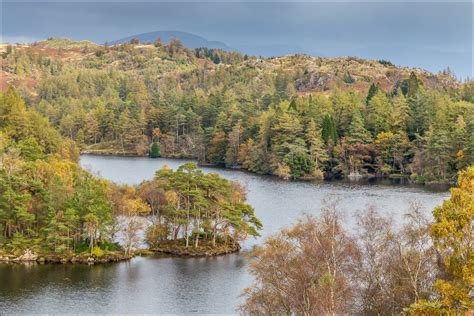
point(329, 131)
point(372, 91)
point(155, 150)
point(357, 133)
point(289, 145)
point(379, 112)
point(412, 86)
point(315, 142)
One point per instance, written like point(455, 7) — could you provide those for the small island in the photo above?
point(200, 214)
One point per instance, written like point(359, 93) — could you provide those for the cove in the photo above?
point(190, 285)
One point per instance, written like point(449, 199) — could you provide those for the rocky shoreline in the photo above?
point(167, 248)
point(30, 257)
point(178, 249)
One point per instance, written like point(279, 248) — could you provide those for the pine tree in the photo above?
point(329, 131)
point(437, 153)
point(400, 113)
point(421, 108)
point(289, 146)
point(379, 112)
point(292, 106)
point(357, 133)
point(315, 142)
point(233, 147)
point(259, 157)
point(155, 150)
point(217, 148)
point(348, 78)
point(372, 91)
point(286, 132)
point(413, 85)
point(459, 140)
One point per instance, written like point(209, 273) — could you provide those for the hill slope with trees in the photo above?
point(294, 116)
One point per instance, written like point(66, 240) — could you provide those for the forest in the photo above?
point(296, 117)
point(53, 207)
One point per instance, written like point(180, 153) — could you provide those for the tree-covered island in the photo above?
point(202, 213)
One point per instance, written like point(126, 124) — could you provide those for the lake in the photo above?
point(190, 285)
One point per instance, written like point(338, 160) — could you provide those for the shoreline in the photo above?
point(407, 179)
point(64, 259)
point(169, 248)
point(176, 248)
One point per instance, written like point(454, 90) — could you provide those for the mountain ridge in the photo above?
point(189, 40)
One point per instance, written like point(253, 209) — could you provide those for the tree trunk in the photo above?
point(196, 244)
point(187, 235)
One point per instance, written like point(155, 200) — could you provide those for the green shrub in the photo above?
point(348, 78)
point(386, 62)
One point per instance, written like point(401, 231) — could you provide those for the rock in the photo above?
point(90, 260)
point(354, 176)
point(53, 259)
point(28, 255)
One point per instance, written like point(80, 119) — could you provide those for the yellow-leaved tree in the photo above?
point(453, 237)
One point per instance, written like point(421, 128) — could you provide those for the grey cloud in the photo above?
point(431, 34)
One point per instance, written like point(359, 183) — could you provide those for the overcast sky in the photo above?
point(430, 34)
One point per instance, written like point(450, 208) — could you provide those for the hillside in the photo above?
point(294, 116)
point(309, 74)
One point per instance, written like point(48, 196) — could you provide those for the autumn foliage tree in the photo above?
point(421, 268)
point(453, 237)
point(304, 270)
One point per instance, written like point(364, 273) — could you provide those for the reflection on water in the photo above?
point(143, 285)
point(188, 285)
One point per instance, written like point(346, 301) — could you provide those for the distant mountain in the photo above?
point(189, 40)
